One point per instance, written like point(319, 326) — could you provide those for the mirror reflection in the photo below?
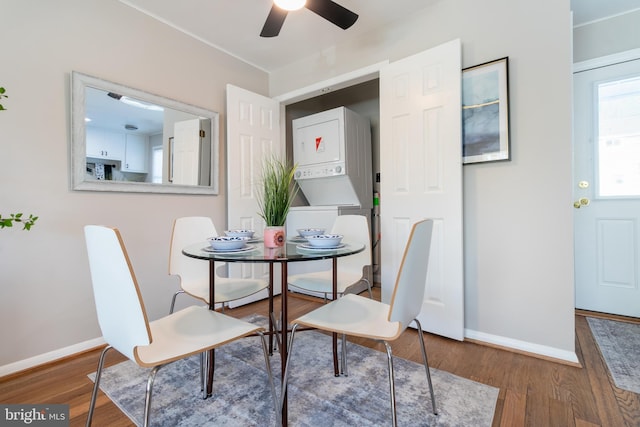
point(128, 140)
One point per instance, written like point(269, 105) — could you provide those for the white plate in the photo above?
point(298, 239)
point(247, 248)
point(255, 239)
point(308, 247)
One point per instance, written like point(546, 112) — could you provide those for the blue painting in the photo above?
point(484, 114)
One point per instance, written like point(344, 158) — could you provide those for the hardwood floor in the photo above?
point(533, 392)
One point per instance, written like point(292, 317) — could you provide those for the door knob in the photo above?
point(583, 201)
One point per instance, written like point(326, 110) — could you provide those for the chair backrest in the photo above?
point(187, 231)
point(408, 294)
point(354, 228)
point(121, 313)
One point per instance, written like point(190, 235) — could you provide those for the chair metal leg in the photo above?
point(96, 385)
point(265, 349)
point(344, 370)
point(392, 385)
point(277, 324)
point(426, 366)
point(285, 378)
point(369, 288)
point(202, 375)
point(173, 300)
point(147, 399)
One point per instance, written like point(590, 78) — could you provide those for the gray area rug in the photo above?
point(316, 398)
point(619, 343)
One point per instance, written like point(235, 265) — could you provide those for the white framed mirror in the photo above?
point(127, 140)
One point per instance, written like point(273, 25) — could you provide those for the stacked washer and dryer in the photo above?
point(332, 151)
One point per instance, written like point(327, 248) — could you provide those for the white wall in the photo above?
point(46, 302)
point(606, 37)
point(518, 220)
point(518, 214)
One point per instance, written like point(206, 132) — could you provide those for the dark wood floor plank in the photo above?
point(629, 404)
point(599, 378)
point(560, 413)
point(583, 423)
point(514, 409)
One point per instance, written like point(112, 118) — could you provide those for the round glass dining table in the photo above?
point(256, 252)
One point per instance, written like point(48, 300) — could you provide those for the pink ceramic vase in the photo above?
point(274, 237)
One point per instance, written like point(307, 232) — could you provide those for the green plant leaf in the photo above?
point(276, 191)
point(26, 223)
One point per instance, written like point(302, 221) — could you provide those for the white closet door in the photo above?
point(421, 171)
point(253, 133)
point(186, 152)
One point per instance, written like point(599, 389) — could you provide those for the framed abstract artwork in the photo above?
point(485, 112)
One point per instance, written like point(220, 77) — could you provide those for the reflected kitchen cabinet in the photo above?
point(105, 144)
point(136, 153)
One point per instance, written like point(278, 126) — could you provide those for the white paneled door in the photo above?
point(421, 171)
point(253, 133)
point(186, 152)
point(607, 188)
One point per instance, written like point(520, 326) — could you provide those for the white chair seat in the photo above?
point(190, 331)
point(322, 281)
point(354, 315)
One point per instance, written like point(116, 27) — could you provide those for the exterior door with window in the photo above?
point(607, 188)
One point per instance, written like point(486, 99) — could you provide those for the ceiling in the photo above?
point(233, 26)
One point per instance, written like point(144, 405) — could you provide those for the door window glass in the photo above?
point(156, 165)
point(619, 138)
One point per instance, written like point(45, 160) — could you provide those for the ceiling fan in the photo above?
point(328, 9)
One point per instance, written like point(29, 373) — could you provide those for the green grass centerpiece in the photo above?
point(276, 191)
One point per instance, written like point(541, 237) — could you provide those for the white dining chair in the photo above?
point(352, 269)
point(364, 317)
point(126, 328)
point(194, 273)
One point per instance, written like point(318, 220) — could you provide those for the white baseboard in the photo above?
point(31, 362)
point(496, 340)
point(523, 346)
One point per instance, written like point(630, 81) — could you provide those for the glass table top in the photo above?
point(256, 252)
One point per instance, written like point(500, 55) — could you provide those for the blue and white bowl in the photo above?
point(239, 233)
point(325, 240)
point(306, 232)
point(227, 243)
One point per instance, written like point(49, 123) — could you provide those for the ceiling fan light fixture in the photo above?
point(290, 4)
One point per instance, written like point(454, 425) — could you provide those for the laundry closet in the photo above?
point(363, 99)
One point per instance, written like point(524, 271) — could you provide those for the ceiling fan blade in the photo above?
point(274, 22)
point(333, 12)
